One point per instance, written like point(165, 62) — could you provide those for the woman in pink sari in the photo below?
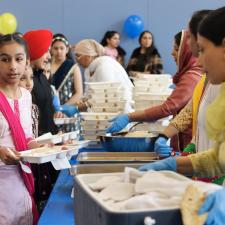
point(16, 186)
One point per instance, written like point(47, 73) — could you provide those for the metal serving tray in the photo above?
point(116, 157)
point(101, 168)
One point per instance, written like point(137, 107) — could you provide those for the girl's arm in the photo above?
point(78, 86)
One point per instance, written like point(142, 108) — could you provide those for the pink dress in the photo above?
point(15, 201)
point(111, 52)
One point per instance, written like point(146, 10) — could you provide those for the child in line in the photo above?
point(18, 207)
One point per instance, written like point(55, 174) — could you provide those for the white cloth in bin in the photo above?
point(131, 174)
point(153, 200)
point(118, 191)
point(162, 182)
point(104, 182)
point(154, 190)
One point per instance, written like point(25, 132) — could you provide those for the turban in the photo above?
point(89, 47)
point(38, 42)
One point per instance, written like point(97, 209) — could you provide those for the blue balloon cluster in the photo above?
point(133, 26)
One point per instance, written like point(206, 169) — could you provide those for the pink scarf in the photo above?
point(20, 143)
point(187, 63)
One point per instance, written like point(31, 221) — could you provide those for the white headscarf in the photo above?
point(89, 47)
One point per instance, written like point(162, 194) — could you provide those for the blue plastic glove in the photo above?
point(165, 164)
point(119, 122)
point(68, 110)
point(162, 148)
point(56, 103)
point(214, 206)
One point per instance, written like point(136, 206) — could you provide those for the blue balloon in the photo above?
point(133, 26)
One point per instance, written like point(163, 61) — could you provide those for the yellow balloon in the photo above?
point(1, 30)
point(8, 23)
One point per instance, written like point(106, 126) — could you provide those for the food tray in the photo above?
point(105, 90)
point(107, 109)
point(120, 104)
point(154, 78)
point(102, 85)
point(102, 99)
point(47, 154)
point(95, 122)
point(61, 121)
point(97, 116)
point(91, 137)
point(106, 95)
point(101, 168)
point(48, 138)
point(151, 96)
point(95, 126)
point(93, 132)
point(116, 157)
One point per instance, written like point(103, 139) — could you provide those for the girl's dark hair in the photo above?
point(177, 38)
point(212, 27)
point(196, 18)
point(5, 39)
point(108, 35)
point(152, 49)
point(62, 38)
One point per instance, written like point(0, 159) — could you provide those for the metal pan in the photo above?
point(101, 168)
point(120, 143)
point(116, 157)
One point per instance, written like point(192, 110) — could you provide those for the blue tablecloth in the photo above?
point(59, 208)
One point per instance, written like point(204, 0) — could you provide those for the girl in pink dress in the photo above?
point(111, 43)
point(16, 187)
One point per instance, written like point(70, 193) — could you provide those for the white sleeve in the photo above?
point(104, 73)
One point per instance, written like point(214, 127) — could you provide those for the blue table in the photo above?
point(59, 208)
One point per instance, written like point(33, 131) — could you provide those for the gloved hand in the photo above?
point(68, 110)
point(214, 206)
point(56, 103)
point(119, 122)
point(165, 164)
point(162, 148)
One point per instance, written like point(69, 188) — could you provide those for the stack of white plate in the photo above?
point(151, 90)
point(106, 97)
point(95, 124)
